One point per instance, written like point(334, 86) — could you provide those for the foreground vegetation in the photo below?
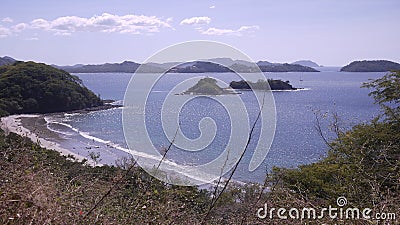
point(38, 186)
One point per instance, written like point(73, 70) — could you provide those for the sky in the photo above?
point(329, 32)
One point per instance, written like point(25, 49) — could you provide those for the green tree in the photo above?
point(363, 163)
point(387, 94)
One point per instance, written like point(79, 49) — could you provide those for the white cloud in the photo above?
point(4, 32)
point(239, 32)
point(212, 7)
point(20, 27)
point(136, 24)
point(196, 20)
point(248, 28)
point(7, 20)
point(40, 24)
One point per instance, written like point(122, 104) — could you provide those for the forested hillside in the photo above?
point(29, 87)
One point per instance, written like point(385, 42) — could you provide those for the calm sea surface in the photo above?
point(296, 139)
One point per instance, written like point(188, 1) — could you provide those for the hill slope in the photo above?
point(6, 60)
point(29, 87)
point(124, 67)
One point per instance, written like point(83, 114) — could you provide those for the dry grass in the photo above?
point(38, 186)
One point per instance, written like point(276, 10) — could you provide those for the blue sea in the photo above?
point(296, 141)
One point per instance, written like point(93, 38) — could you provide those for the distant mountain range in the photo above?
point(216, 65)
point(210, 65)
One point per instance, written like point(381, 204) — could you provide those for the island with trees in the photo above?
point(207, 86)
point(371, 66)
point(269, 84)
point(29, 87)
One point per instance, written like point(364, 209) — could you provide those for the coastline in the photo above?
point(34, 127)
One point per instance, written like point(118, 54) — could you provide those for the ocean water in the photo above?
point(296, 140)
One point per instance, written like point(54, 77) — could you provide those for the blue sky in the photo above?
point(330, 32)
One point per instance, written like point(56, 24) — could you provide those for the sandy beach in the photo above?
point(35, 128)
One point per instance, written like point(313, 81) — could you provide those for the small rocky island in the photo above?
point(209, 86)
point(269, 84)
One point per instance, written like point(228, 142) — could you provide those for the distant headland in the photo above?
point(371, 66)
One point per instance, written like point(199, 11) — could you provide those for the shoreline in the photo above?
point(33, 126)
